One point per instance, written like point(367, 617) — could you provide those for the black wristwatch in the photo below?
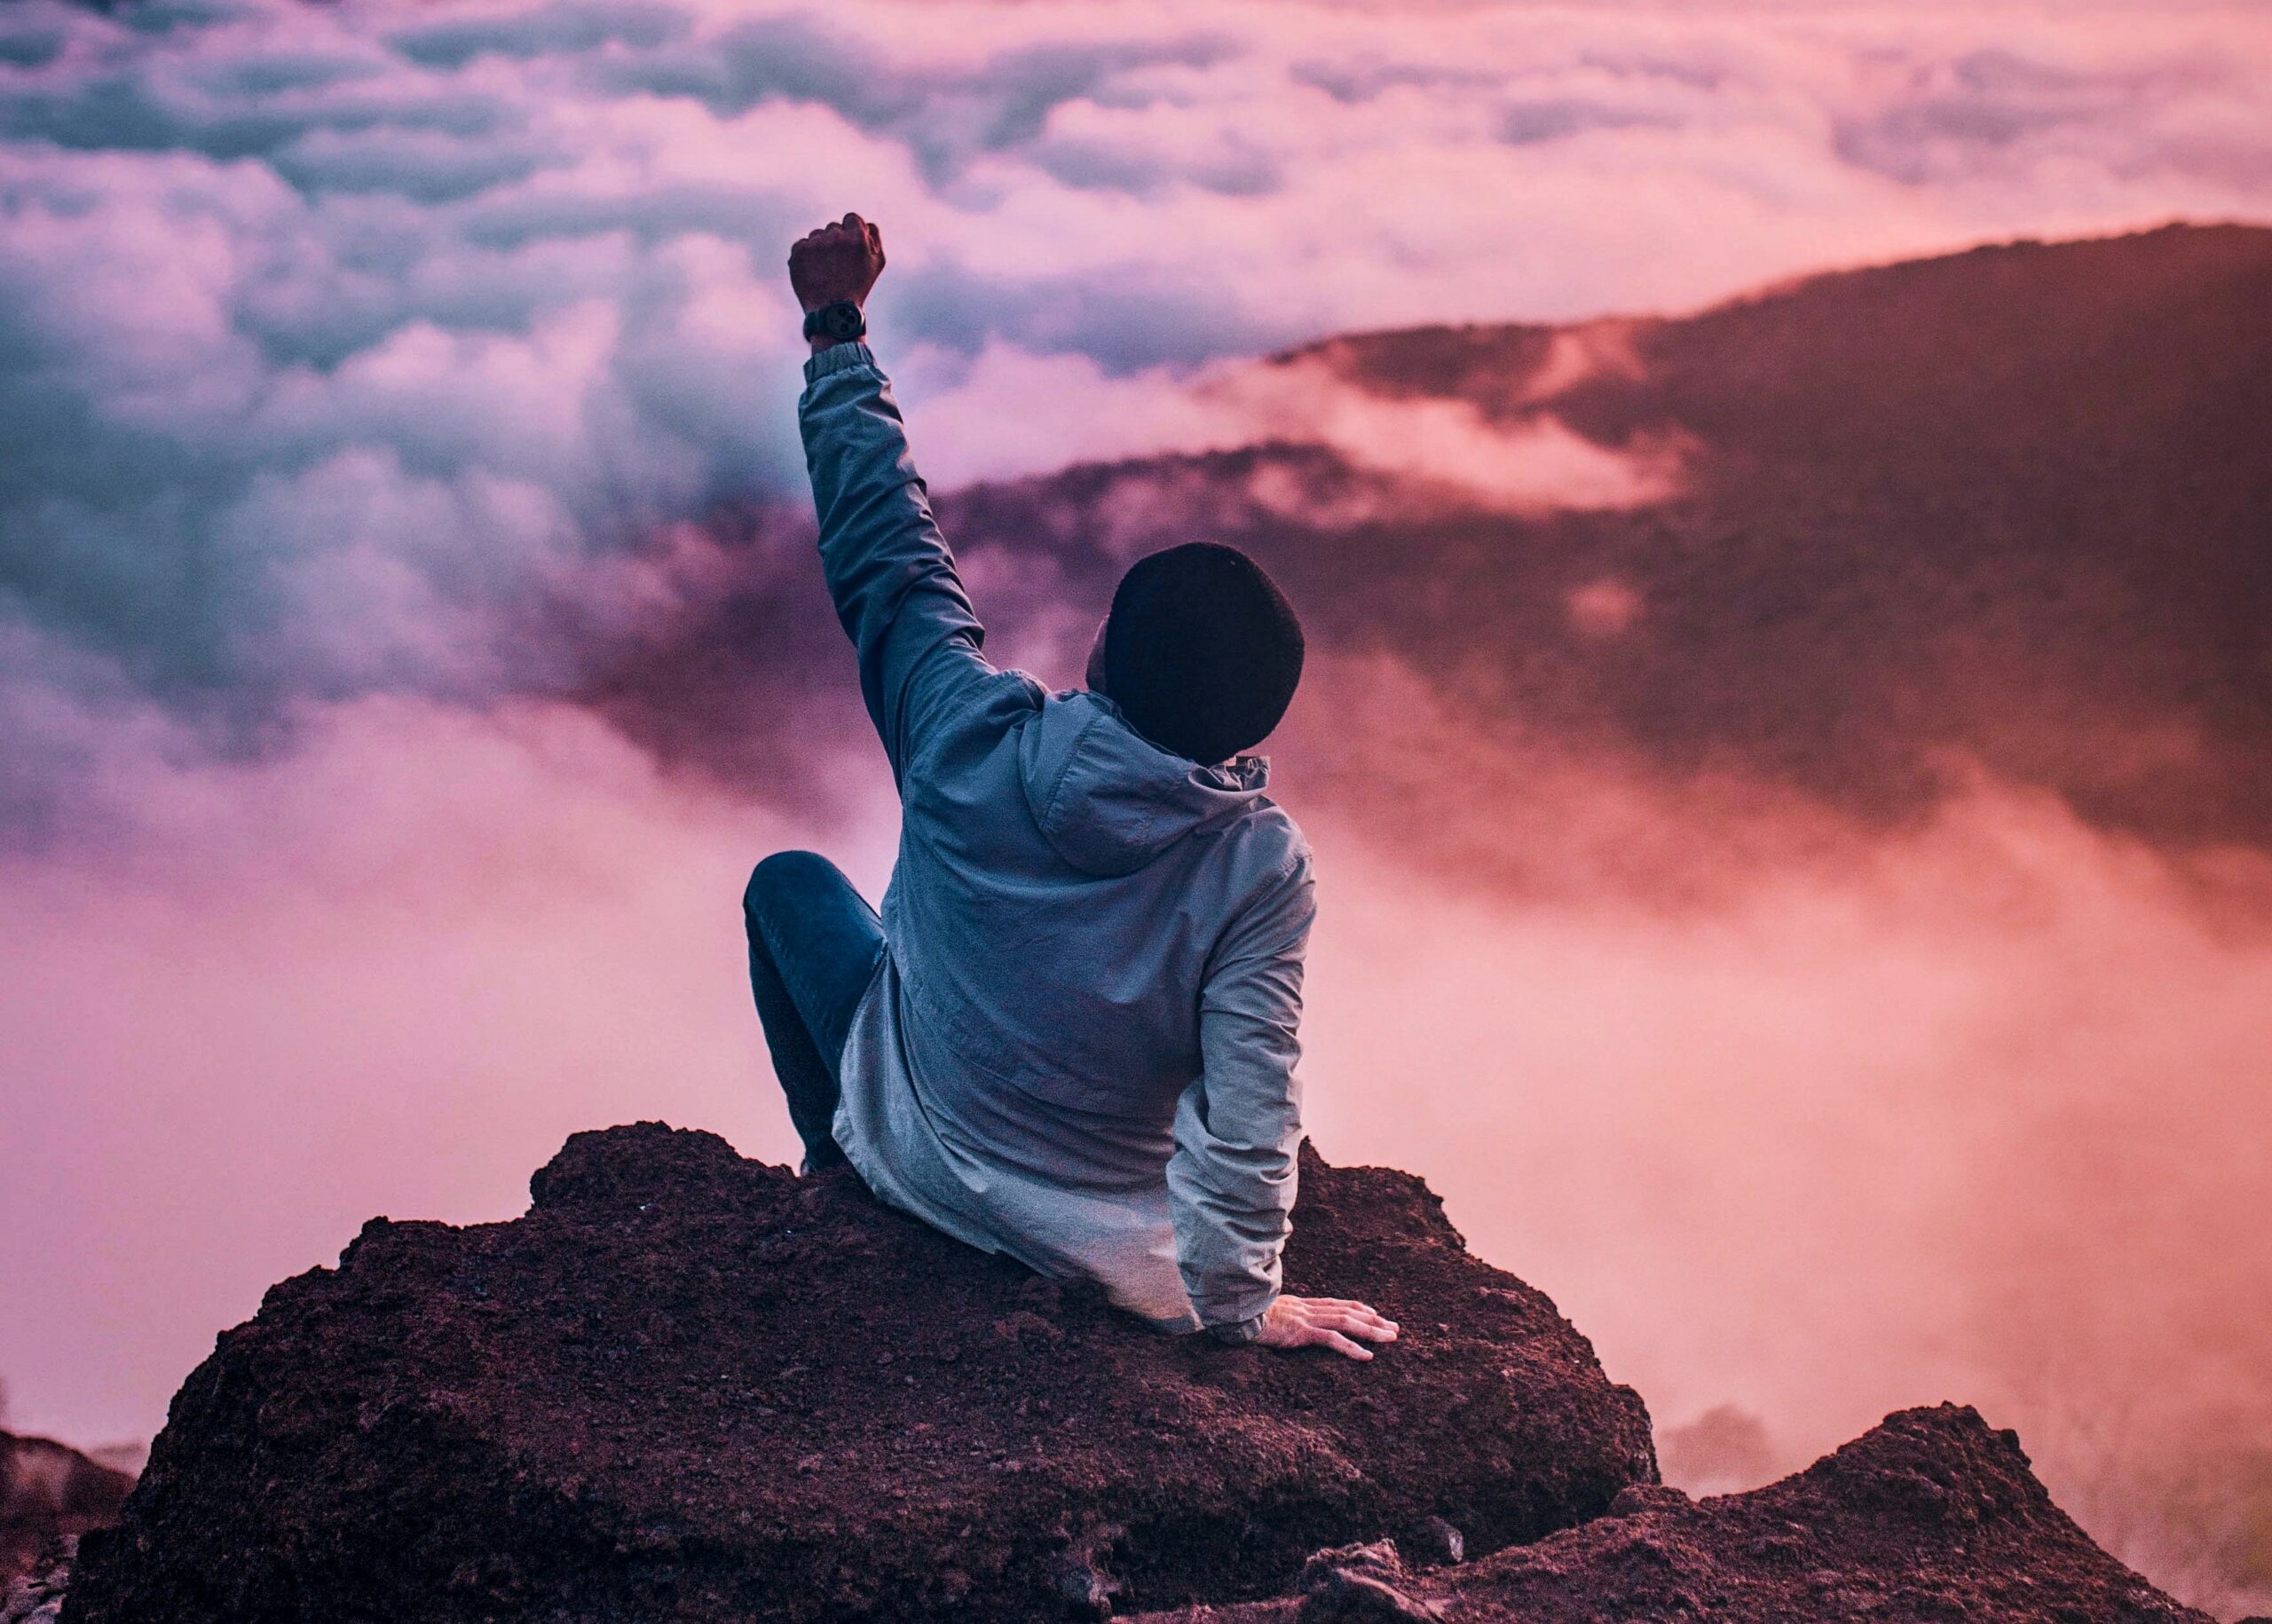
point(840, 323)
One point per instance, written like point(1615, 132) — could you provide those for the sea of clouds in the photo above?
point(335, 338)
point(365, 368)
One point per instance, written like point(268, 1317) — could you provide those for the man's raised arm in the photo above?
point(889, 569)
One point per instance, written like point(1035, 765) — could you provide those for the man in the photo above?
point(1071, 1036)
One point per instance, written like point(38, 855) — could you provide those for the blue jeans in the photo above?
point(813, 946)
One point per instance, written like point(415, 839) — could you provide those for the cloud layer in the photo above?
point(332, 338)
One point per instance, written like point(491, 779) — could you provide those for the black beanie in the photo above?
point(1202, 650)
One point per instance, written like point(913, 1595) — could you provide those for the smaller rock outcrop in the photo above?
point(1930, 1516)
point(691, 1386)
point(50, 1492)
point(36, 1595)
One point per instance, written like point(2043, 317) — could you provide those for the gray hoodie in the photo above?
point(1079, 1047)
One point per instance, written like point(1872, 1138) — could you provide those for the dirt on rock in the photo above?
point(692, 1386)
point(1930, 1516)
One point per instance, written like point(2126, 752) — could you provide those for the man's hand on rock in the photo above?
point(838, 261)
point(1324, 1323)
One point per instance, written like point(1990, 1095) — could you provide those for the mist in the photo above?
point(1985, 1115)
point(1977, 1110)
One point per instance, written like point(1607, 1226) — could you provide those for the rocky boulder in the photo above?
point(1931, 1515)
point(693, 1386)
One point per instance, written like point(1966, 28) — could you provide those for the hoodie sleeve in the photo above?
point(890, 572)
point(1237, 1129)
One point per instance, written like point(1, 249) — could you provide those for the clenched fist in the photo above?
point(841, 261)
point(1324, 1323)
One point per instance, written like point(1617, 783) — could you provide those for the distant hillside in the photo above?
point(2017, 501)
point(2011, 506)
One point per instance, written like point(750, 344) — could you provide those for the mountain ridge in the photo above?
point(2004, 507)
point(1994, 515)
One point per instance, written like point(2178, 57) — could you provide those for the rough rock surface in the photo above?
point(1361, 1584)
point(691, 1386)
point(1931, 1515)
point(49, 1493)
point(35, 1595)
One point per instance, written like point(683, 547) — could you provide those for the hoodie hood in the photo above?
point(1107, 800)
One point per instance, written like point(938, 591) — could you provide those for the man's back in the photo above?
point(1064, 889)
point(1085, 932)
point(1076, 1041)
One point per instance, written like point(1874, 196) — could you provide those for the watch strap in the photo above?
point(841, 322)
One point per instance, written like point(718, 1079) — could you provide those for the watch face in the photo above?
point(843, 320)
